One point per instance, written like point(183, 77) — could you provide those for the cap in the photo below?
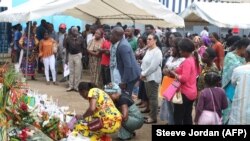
point(236, 30)
point(62, 25)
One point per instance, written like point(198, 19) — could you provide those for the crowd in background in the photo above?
point(214, 73)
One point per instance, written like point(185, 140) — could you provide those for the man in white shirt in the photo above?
point(204, 32)
point(90, 35)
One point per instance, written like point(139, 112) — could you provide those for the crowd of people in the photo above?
point(213, 76)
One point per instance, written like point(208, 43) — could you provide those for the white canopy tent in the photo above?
point(226, 15)
point(20, 12)
point(107, 11)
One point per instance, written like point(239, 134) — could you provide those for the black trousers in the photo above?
point(142, 91)
point(105, 72)
point(183, 112)
point(40, 65)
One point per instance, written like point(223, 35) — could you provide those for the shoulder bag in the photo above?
point(210, 117)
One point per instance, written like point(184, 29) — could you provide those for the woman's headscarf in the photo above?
point(112, 88)
point(206, 41)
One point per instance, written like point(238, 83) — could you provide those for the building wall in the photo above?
point(178, 6)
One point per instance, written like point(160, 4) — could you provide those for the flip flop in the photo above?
point(149, 121)
point(138, 104)
point(142, 106)
point(145, 111)
point(134, 134)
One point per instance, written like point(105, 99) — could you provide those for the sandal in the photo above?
point(149, 121)
point(145, 111)
point(138, 104)
point(142, 106)
point(134, 134)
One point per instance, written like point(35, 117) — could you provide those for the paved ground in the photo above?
point(77, 103)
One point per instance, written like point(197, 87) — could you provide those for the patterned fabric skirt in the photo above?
point(95, 70)
point(111, 125)
point(31, 66)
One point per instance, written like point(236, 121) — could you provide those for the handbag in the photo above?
point(166, 82)
point(177, 99)
point(171, 90)
point(95, 124)
point(210, 117)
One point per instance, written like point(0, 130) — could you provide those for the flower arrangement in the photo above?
point(17, 121)
point(54, 128)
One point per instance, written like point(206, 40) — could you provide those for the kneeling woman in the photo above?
point(132, 118)
point(100, 106)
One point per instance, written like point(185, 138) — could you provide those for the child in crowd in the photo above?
point(211, 99)
point(208, 66)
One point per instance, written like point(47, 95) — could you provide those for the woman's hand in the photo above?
point(92, 107)
point(79, 117)
point(166, 71)
point(94, 53)
point(143, 78)
point(173, 74)
point(124, 108)
point(139, 61)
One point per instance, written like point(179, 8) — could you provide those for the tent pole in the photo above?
point(6, 40)
point(27, 50)
point(184, 30)
point(134, 23)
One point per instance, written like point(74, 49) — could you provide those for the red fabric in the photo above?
point(236, 30)
point(105, 58)
point(106, 138)
point(62, 25)
point(188, 73)
point(219, 49)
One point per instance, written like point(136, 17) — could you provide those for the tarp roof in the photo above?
point(220, 14)
point(108, 11)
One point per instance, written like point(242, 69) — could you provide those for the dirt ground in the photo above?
point(77, 103)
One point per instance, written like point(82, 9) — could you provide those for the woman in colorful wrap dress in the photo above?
point(100, 106)
point(29, 46)
point(132, 118)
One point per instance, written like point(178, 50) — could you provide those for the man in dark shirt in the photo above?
point(39, 34)
point(17, 37)
point(149, 29)
point(74, 44)
point(41, 29)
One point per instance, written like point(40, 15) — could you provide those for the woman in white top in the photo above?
point(151, 74)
